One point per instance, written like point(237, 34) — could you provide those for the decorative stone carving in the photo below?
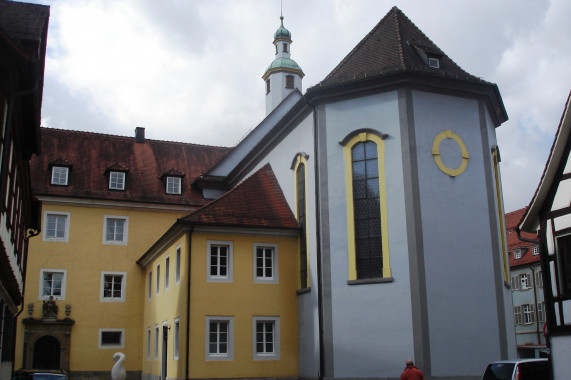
point(50, 309)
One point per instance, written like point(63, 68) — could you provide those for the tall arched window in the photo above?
point(500, 210)
point(366, 207)
point(299, 167)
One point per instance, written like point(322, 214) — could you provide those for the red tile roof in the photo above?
point(394, 45)
point(512, 220)
point(91, 155)
point(258, 201)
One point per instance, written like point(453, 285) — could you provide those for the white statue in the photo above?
point(118, 371)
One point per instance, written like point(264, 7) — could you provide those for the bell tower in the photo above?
point(283, 75)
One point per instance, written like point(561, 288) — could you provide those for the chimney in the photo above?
point(139, 135)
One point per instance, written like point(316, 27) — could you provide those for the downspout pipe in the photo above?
point(187, 353)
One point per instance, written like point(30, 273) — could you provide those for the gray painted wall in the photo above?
point(371, 323)
point(458, 245)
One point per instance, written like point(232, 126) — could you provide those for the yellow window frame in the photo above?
point(347, 154)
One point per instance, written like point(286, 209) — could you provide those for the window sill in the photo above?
point(371, 281)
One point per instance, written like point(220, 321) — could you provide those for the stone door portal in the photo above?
point(47, 353)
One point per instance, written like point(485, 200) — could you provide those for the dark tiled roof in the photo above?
point(90, 155)
point(512, 220)
point(256, 202)
point(395, 45)
point(23, 21)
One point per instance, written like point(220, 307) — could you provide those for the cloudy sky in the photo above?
point(190, 70)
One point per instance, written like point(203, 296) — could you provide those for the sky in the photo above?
point(190, 70)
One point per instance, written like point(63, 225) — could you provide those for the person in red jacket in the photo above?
point(411, 372)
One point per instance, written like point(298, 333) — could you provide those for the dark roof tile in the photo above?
point(394, 45)
point(258, 201)
point(91, 155)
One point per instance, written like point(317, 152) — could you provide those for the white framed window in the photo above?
point(148, 343)
point(219, 343)
point(174, 185)
point(541, 312)
point(60, 175)
point(52, 284)
point(157, 342)
point(111, 338)
point(517, 254)
point(167, 272)
point(434, 62)
point(266, 263)
point(539, 277)
point(56, 226)
point(158, 282)
point(266, 338)
point(525, 280)
point(113, 286)
point(117, 180)
point(515, 282)
point(177, 266)
point(517, 315)
point(528, 314)
point(115, 229)
point(219, 263)
point(150, 285)
point(176, 339)
point(536, 250)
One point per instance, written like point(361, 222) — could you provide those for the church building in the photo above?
point(358, 225)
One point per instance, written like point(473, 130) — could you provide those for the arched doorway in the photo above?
point(47, 353)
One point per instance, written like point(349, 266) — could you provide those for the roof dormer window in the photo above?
point(434, 62)
point(116, 180)
point(517, 254)
point(174, 185)
point(60, 175)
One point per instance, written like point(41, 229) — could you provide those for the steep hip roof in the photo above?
point(92, 155)
point(258, 201)
point(396, 46)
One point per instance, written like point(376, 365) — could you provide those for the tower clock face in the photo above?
point(438, 149)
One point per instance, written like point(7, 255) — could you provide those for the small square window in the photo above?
point(173, 185)
point(113, 286)
point(56, 226)
point(117, 180)
point(289, 81)
point(219, 267)
point(111, 338)
point(266, 263)
point(434, 62)
point(266, 338)
point(219, 338)
point(52, 284)
point(115, 229)
point(60, 175)
point(536, 250)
